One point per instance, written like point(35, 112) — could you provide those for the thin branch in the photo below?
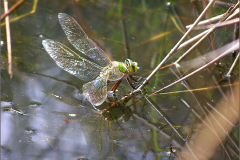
point(211, 36)
point(233, 65)
point(9, 47)
point(209, 31)
point(207, 21)
point(222, 24)
point(12, 9)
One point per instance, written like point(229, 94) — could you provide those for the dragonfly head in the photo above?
point(131, 66)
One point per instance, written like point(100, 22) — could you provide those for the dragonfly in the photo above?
point(97, 73)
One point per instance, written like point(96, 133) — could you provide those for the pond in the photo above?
point(44, 114)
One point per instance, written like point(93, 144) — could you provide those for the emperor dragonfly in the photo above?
point(95, 91)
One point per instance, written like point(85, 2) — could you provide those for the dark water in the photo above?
point(38, 124)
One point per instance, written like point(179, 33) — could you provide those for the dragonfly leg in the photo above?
point(115, 85)
point(132, 78)
point(136, 81)
point(130, 83)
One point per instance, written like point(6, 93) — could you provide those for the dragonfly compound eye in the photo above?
point(131, 66)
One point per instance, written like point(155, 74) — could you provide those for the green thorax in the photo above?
point(121, 66)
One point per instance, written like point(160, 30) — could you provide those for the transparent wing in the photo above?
point(81, 41)
point(114, 73)
point(71, 62)
point(96, 131)
point(96, 91)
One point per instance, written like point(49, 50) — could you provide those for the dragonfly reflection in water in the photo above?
point(99, 127)
point(95, 91)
